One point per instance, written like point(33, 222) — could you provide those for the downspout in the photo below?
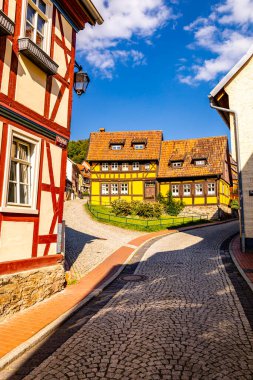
point(238, 159)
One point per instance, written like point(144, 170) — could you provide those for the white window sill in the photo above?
point(19, 210)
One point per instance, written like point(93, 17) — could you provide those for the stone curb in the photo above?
point(47, 330)
point(243, 274)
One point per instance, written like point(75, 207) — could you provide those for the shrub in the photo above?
point(234, 204)
point(121, 207)
point(173, 207)
point(146, 209)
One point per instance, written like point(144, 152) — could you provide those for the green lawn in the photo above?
point(105, 215)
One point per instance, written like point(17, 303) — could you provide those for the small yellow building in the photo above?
point(197, 171)
point(124, 165)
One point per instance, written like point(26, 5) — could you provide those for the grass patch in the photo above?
point(104, 215)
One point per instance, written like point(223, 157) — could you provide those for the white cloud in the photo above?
point(126, 21)
point(226, 34)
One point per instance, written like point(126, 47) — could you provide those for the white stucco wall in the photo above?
point(240, 92)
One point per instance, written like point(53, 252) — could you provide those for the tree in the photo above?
point(77, 150)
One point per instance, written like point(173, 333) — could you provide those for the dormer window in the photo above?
point(200, 162)
point(176, 164)
point(139, 146)
point(116, 147)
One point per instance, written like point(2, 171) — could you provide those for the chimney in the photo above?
point(102, 130)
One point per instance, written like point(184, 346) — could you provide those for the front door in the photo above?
point(150, 190)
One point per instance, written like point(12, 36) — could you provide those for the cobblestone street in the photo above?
point(183, 321)
point(88, 242)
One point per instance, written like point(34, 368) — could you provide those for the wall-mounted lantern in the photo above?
point(81, 80)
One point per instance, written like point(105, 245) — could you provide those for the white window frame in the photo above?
point(211, 191)
point(139, 146)
point(187, 193)
point(105, 167)
point(114, 189)
point(173, 192)
point(105, 189)
point(124, 166)
point(35, 142)
point(136, 165)
point(47, 18)
point(115, 166)
point(116, 147)
point(177, 164)
point(199, 189)
point(147, 166)
point(200, 162)
point(124, 188)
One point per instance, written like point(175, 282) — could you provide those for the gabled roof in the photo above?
point(232, 73)
point(213, 149)
point(100, 146)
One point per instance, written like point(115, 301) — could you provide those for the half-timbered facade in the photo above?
point(123, 165)
point(37, 59)
point(198, 172)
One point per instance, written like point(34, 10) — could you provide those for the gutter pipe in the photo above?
point(238, 159)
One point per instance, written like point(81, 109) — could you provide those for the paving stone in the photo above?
point(185, 321)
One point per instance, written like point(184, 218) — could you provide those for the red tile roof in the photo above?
point(213, 149)
point(100, 146)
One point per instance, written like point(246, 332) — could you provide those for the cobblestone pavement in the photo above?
point(88, 242)
point(184, 321)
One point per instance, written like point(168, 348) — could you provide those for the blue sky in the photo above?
point(153, 63)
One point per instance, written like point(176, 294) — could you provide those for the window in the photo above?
point(136, 166)
point(125, 166)
point(200, 162)
point(21, 173)
point(37, 23)
point(175, 190)
point(105, 189)
point(177, 164)
point(116, 147)
point(198, 189)
point(115, 166)
point(105, 166)
point(147, 166)
point(211, 189)
point(187, 190)
point(124, 188)
point(139, 146)
point(114, 188)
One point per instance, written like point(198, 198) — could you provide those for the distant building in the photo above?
point(197, 171)
point(124, 165)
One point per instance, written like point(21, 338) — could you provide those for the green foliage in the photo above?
point(77, 150)
point(161, 199)
point(143, 209)
point(121, 207)
point(234, 204)
point(171, 206)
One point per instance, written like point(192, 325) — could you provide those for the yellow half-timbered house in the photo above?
point(198, 172)
point(124, 165)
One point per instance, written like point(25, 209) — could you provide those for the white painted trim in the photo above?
point(36, 141)
point(232, 73)
point(19, 210)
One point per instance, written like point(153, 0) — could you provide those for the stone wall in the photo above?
point(21, 290)
point(212, 211)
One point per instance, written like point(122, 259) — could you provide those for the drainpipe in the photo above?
point(238, 159)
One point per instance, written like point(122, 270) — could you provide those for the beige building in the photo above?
point(233, 98)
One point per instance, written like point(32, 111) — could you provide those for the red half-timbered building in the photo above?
point(37, 60)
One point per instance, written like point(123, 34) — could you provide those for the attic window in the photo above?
point(139, 146)
point(139, 143)
point(176, 164)
point(117, 144)
point(200, 162)
point(116, 147)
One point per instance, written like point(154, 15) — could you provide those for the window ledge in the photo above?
point(37, 56)
point(19, 210)
point(6, 25)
